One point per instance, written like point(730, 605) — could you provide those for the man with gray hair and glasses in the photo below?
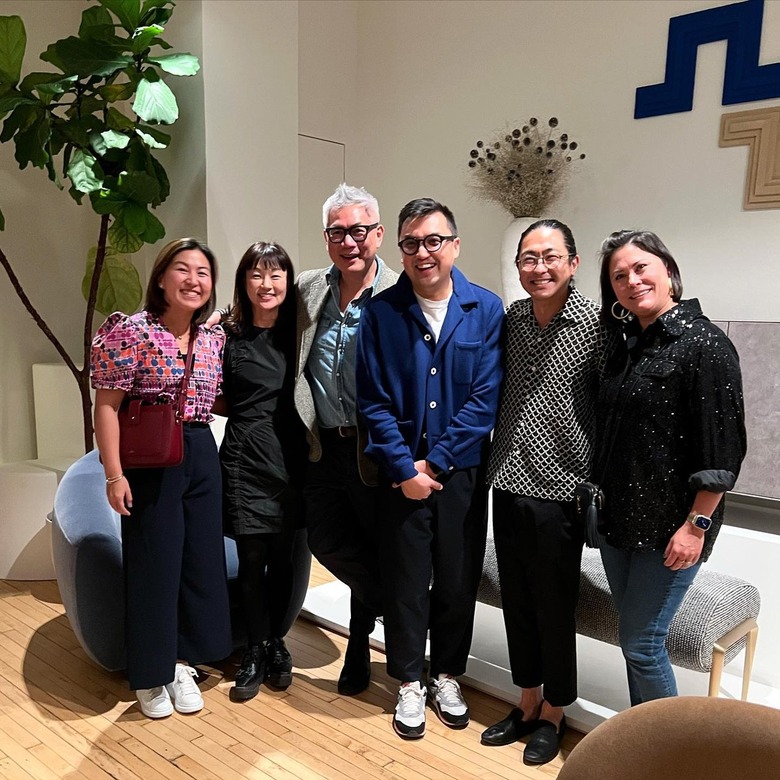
point(339, 493)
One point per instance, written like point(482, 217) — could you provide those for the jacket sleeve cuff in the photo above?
point(712, 480)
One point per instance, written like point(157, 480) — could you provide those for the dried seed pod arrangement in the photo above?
point(525, 169)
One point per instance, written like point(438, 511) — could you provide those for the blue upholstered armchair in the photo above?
point(87, 550)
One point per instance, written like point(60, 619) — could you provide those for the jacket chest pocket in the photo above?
point(657, 369)
point(464, 363)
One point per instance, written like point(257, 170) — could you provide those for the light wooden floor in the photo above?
point(63, 717)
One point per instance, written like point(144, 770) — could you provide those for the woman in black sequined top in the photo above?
point(670, 441)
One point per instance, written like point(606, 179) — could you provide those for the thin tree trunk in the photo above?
point(83, 378)
point(81, 375)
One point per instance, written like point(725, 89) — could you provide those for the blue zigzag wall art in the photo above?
point(744, 79)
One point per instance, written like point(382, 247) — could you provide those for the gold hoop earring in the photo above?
point(624, 316)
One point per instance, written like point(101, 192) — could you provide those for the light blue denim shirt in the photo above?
point(330, 368)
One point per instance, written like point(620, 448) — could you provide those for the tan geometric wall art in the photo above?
point(759, 129)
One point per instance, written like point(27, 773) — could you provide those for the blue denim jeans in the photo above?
point(647, 595)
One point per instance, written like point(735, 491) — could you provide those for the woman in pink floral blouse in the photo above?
point(175, 584)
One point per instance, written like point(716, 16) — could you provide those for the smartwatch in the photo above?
point(699, 521)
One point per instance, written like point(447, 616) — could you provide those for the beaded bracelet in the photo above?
point(111, 480)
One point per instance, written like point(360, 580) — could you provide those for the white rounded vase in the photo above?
point(511, 289)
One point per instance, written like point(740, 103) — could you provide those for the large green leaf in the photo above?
point(118, 121)
point(121, 238)
point(182, 64)
point(138, 186)
point(51, 55)
point(31, 144)
point(143, 37)
point(107, 202)
point(97, 24)
point(11, 101)
point(111, 93)
point(162, 178)
point(114, 140)
point(154, 230)
point(13, 41)
point(156, 12)
point(119, 288)
point(89, 57)
point(134, 217)
point(20, 119)
point(46, 83)
point(80, 131)
point(84, 171)
point(127, 11)
point(155, 102)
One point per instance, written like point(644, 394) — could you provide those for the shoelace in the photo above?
point(185, 679)
point(155, 692)
point(409, 698)
point(449, 691)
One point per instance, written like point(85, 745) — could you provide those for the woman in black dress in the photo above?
point(263, 457)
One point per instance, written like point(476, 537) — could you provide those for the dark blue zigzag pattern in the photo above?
point(744, 79)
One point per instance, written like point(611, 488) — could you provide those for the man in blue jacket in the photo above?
point(428, 379)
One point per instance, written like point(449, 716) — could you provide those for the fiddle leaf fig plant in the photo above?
point(94, 125)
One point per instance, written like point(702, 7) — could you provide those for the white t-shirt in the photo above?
point(434, 312)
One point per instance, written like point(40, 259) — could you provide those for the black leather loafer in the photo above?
point(356, 674)
point(544, 743)
point(509, 730)
point(250, 675)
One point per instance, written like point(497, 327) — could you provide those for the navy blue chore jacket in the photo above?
point(428, 398)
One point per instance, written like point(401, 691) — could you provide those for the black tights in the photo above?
point(265, 575)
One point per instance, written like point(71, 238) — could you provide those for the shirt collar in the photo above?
point(573, 310)
point(333, 276)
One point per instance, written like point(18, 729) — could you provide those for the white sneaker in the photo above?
point(409, 717)
point(155, 702)
point(448, 702)
point(184, 690)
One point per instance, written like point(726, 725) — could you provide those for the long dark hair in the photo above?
point(267, 256)
point(155, 302)
point(650, 243)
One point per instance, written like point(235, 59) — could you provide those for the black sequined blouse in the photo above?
point(670, 422)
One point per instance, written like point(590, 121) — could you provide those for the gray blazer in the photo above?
point(312, 293)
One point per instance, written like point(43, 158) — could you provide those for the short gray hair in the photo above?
point(346, 195)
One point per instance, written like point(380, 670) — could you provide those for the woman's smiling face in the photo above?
point(641, 283)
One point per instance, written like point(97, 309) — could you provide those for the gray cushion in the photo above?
point(714, 604)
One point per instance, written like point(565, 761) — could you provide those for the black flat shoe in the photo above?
point(509, 730)
point(356, 674)
point(250, 675)
point(544, 743)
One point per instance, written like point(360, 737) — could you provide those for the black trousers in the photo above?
point(341, 521)
point(442, 537)
point(176, 593)
point(538, 550)
point(266, 576)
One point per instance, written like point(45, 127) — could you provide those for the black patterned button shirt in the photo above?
point(543, 442)
point(677, 419)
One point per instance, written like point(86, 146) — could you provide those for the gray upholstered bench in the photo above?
point(716, 620)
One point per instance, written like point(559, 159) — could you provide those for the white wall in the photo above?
point(251, 109)
point(436, 76)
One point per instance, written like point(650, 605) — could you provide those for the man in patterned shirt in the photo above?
point(542, 448)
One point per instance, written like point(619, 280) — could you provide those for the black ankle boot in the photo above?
point(278, 670)
point(250, 675)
